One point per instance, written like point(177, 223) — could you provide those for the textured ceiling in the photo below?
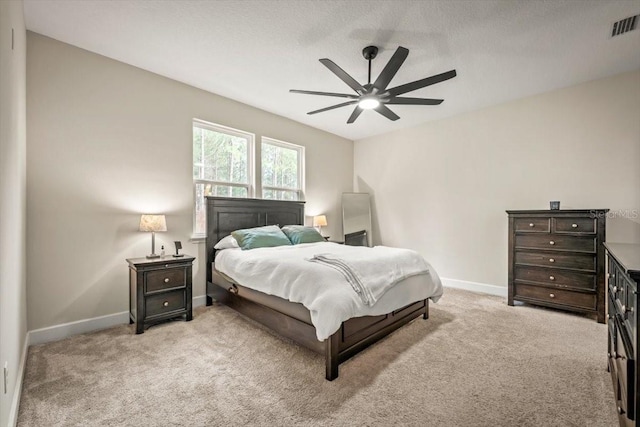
point(255, 51)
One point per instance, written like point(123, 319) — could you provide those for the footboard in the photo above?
point(360, 332)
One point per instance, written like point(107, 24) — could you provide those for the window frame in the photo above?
point(251, 167)
point(300, 172)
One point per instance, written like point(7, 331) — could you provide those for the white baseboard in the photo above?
point(17, 391)
point(58, 332)
point(65, 330)
point(482, 288)
point(199, 301)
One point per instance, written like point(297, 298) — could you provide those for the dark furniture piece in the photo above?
point(159, 289)
point(289, 319)
point(556, 259)
point(359, 238)
point(623, 278)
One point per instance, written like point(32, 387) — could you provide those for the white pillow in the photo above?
point(228, 242)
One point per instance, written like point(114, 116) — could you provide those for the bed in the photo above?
point(290, 319)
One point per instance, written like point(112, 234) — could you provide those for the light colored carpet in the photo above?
point(475, 362)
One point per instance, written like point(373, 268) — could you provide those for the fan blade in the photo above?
point(332, 107)
point(382, 109)
point(310, 92)
point(356, 113)
point(391, 68)
point(342, 75)
point(413, 101)
point(418, 84)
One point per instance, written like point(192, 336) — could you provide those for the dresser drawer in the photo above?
point(556, 242)
point(625, 370)
point(585, 262)
point(574, 225)
point(560, 278)
point(163, 303)
point(158, 280)
point(555, 296)
point(532, 225)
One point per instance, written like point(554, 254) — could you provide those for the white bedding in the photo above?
point(285, 271)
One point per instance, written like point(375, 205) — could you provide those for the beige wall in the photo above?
point(13, 311)
point(442, 188)
point(108, 141)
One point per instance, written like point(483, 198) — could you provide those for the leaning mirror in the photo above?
point(356, 219)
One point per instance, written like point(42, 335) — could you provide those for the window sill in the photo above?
point(198, 238)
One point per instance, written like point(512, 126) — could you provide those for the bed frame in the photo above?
point(289, 319)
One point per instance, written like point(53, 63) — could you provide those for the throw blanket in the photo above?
point(372, 272)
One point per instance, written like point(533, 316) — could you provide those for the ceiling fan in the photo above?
point(376, 96)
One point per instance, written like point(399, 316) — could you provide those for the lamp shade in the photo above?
point(153, 223)
point(320, 221)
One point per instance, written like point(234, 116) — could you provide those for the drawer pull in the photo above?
point(620, 410)
point(552, 278)
point(166, 280)
point(531, 224)
point(552, 242)
point(233, 290)
point(552, 295)
point(614, 355)
point(166, 266)
point(626, 308)
point(615, 289)
point(574, 225)
point(552, 260)
point(165, 304)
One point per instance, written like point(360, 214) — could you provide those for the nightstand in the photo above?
point(159, 289)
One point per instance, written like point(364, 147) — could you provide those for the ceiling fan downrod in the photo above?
point(369, 53)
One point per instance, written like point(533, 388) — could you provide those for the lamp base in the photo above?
point(152, 256)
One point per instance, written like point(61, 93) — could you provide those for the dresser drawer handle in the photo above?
point(531, 224)
point(552, 260)
point(165, 304)
point(166, 280)
point(552, 278)
point(552, 242)
point(166, 266)
point(620, 410)
point(574, 225)
point(615, 289)
point(552, 295)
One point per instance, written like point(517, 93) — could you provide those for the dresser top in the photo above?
point(627, 254)
point(555, 211)
point(167, 259)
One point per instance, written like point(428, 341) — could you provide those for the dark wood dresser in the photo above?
point(159, 289)
point(623, 278)
point(556, 259)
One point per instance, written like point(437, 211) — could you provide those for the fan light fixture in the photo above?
point(376, 96)
point(368, 103)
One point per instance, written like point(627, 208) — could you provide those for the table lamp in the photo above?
point(153, 223)
point(320, 221)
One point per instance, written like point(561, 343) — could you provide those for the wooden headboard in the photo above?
point(226, 214)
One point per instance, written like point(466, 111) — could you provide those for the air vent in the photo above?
point(625, 25)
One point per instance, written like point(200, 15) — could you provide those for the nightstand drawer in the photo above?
point(168, 278)
point(560, 278)
point(574, 225)
point(532, 225)
point(556, 242)
point(586, 262)
point(164, 303)
point(555, 296)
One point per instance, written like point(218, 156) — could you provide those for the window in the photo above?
point(282, 170)
point(222, 166)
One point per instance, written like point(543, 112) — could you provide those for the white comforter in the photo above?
point(285, 271)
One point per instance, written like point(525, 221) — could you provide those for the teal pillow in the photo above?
point(260, 237)
point(301, 234)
